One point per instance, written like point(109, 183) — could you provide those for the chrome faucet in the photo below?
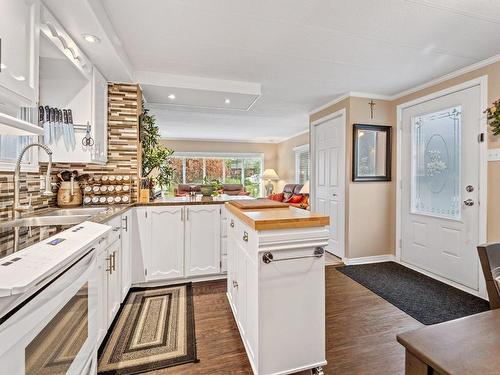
point(16, 207)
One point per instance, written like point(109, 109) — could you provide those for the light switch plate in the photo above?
point(494, 154)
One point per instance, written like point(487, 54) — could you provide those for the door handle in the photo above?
point(469, 202)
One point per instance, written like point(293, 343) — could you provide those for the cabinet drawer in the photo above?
point(116, 229)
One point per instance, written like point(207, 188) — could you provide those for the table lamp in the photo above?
point(270, 175)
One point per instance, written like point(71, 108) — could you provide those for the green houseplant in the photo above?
point(156, 168)
point(493, 116)
point(210, 186)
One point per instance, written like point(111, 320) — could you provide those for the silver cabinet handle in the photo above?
point(245, 236)
point(114, 260)
point(187, 213)
point(232, 223)
point(125, 219)
point(108, 266)
point(182, 214)
point(469, 202)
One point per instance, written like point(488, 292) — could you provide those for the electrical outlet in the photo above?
point(494, 154)
point(42, 183)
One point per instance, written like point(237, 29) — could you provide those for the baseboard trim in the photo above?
point(367, 260)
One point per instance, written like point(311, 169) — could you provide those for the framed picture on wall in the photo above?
point(371, 159)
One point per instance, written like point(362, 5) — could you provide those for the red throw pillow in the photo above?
point(276, 197)
point(296, 198)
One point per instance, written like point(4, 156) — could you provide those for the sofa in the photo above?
point(229, 189)
point(291, 195)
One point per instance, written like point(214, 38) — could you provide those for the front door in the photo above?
point(440, 185)
point(329, 175)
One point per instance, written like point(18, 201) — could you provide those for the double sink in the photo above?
point(64, 216)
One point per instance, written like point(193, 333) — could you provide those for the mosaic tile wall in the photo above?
point(124, 107)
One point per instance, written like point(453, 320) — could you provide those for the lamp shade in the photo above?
point(305, 188)
point(270, 174)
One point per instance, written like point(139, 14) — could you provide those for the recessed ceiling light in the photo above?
point(171, 96)
point(91, 38)
point(227, 101)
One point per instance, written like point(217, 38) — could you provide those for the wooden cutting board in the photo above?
point(257, 204)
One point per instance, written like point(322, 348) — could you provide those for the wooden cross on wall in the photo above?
point(372, 105)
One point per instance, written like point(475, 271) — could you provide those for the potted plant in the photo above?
point(209, 186)
point(493, 116)
point(156, 168)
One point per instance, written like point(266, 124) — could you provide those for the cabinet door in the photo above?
point(241, 286)
point(141, 238)
point(102, 294)
point(114, 288)
point(126, 265)
point(202, 240)
point(19, 50)
point(230, 260)
point(100, 117)
point(166, 253)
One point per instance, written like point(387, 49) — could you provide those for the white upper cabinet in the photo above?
point(203, 239)
point(68, 80)
point(166, 255)
point(19, 38)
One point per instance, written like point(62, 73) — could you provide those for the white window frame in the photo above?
point(298, 150)
point(220, 155)
point(32, 166)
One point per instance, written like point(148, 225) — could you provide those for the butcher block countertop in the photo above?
point(278, 218)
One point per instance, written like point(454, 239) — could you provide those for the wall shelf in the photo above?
point(10, 125)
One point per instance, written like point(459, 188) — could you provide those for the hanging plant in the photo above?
point(493, 116)
point(155, 157)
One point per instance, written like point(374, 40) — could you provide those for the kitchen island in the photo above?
point(276, 286)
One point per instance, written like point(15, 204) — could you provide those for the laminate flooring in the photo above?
point(361, 332)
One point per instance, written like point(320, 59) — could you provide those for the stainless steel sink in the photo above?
point(40, 221)
point(91, 211)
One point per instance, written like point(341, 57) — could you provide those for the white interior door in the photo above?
point(440, 185)
point(329, 178)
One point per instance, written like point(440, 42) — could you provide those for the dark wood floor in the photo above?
point(361, 332)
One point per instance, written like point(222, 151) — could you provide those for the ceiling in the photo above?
point(300, 54)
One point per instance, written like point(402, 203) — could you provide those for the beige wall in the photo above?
point(371, 204)
point(371, 207)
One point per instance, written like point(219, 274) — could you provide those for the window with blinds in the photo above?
point(302, 164)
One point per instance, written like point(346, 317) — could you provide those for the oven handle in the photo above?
point(81, 265)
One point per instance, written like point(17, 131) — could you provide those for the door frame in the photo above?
point(482, 82)
point(312, 152)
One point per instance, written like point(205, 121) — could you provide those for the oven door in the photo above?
point(54, 331)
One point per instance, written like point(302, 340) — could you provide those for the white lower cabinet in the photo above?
point(175, 242)
point(125, 254)
point(203, 240)
point(114, 280)
point(166, 253)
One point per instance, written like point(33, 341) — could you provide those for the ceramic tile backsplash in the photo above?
point(124, 108)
